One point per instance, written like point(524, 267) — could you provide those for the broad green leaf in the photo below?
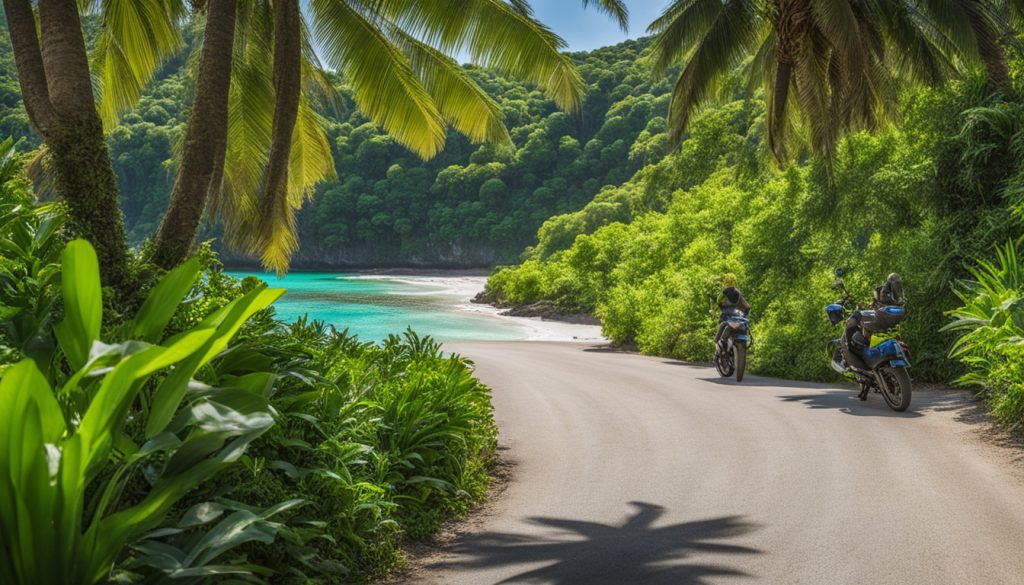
point(163, 302)
point(201, 513)
point(83, 302)
point(229, 320)
point(24, 383)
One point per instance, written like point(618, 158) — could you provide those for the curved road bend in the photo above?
point(633, 469)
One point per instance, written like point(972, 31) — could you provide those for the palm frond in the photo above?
point(494, 34)
point(250, 121)
point(383, 82)
point(309, 164)
point(267, 229)
point(732, 34)
point(135, 38)
point(615, 8)
point(950, 17)
point(462, 103)
point(814, 74)
point(679, 29)
point(845, 40)
point(923, 53)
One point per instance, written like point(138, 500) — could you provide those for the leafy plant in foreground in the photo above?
point(29, 265)
point(381, 441)
point(70, 452)
point(991, 327)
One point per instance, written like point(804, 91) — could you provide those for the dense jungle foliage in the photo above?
point(925, 199)
point(470, 205)
point(196, 437)
point(178, 431)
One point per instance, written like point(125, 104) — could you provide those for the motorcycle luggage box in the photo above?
point(882, 319)
point(835, 313)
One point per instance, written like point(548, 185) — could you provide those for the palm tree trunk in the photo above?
point(791, 20)
point(287, 90)
point(991, 53)
point(206, 138)
point(28, 59)
point(57, 91)
point(777, 112)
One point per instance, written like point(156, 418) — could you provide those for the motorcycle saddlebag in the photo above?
point(835, 313)
point(883, 352)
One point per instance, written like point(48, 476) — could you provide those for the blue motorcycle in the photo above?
point(870, 350)
point(731, 350)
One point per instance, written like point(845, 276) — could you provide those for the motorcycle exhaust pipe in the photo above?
point(837, 367)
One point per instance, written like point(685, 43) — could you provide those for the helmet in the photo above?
point(891, 293)
point(728, 280)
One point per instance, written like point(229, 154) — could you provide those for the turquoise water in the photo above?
point(374, 306)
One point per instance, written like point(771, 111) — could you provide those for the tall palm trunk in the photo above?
point(202, 159)
point(287, 89)
point(777, 111)
point(53, 71)
point(792, 21)
point(985, 34)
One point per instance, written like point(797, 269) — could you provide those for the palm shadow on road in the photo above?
point(603, 554)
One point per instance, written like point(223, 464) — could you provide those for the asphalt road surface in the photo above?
point(632, 469)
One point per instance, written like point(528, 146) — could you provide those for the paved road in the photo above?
point(631, 469)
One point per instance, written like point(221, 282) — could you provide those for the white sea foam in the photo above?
point(459, 290)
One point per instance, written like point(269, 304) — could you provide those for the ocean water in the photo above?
point(374, 306)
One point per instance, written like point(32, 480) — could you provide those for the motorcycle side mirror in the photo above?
point(839, 272)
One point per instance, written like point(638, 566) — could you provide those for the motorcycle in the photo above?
point(731, 350)
point(878, 357)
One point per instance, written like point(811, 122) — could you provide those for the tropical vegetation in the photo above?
point(991, 326)
point(470, 205)
point(200, 438)
point(252, 145)
point(838, 62)
point(159, 424)
point(926, 197)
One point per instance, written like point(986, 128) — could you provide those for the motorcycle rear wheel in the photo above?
point(740, 359)
point(895, 385)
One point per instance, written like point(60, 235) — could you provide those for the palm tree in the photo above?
point(57, 90)
point(828, 67)
point(53, 71)
point(201, 168)
point(396, 57)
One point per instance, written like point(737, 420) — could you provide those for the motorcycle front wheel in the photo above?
point(724, 363)
point(740, 359)
point(895, 384)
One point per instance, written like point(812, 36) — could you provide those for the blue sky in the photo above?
point(590, 29)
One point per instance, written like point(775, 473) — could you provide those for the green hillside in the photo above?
point(470, 205)
point(924, 199)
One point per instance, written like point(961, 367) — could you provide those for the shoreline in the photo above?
point(544, 310)
point(382, 271)
point(456, 292)
point(468, 289)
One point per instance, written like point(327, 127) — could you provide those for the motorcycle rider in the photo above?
point(854, 338)
point(730, 300)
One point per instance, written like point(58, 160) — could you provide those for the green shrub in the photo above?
point(370, 443)
point(70, 453)
point(991, 327)
point(921, 200)
point(381, 442)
